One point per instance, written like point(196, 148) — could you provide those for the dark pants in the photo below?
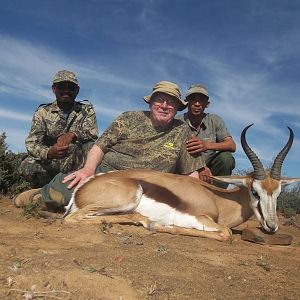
point(222, 164)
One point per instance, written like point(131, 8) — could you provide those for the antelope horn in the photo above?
point(276, 168)
point(259, 171)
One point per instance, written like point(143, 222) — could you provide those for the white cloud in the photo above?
point(15, 116)
point(109, 112)
point(296, 124)
point(27, 69)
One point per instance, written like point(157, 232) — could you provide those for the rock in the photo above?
point(255, 235)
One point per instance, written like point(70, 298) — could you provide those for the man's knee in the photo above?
point(34, 173)
point(56, 191)
point(27, 166)
point(227, 159)
point(222, 164)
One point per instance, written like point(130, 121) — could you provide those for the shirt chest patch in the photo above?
point(169, 145)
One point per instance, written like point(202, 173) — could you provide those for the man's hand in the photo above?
point(66, 139)
point(195, 145)
point(57, 151)
point(60, 149)
point(77, 177)
point(205, 174)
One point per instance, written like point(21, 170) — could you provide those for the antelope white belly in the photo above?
point(166, 215)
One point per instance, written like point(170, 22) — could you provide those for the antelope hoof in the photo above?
point(225, 235)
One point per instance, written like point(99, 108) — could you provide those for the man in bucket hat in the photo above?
point(136, 139)
point(61, 134)
point(210, 136)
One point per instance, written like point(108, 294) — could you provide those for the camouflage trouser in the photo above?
point(221, 164)
point(57, 193)
point(40, 172)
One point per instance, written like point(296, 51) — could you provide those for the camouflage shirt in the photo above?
point(212, 128)
point(49, 122)
point(132, 142)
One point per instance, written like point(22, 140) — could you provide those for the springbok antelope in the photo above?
point(180, 204)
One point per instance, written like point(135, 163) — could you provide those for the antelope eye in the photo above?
point(255, 194)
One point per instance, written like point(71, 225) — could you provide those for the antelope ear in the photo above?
point(285, 181)
point(237, 180)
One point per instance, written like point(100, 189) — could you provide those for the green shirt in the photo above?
point(132, 142)
point(212, 128)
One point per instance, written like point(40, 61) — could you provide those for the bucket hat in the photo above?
point(169, 88)
point(196, 89)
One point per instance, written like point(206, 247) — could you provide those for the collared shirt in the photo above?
point(132, 142)
point(212, 129)
point(49, 122)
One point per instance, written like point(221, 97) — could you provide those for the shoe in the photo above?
point(28, 197)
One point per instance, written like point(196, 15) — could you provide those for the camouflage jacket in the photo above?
point(132, 142)
point(49, 123)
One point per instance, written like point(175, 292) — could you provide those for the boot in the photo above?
point(28, 197)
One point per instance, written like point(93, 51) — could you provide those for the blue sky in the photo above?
point(247, 53)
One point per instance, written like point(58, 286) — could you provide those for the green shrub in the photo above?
point(32, 210)
point(11, 182)
point(289, 201)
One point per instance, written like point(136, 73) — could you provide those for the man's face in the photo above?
point(65, 91)
point(197, 104)
point(163, 109)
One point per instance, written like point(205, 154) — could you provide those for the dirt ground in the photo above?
point(50, 259)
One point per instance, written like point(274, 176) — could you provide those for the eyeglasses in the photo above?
point(169, 101)
point(68, 86)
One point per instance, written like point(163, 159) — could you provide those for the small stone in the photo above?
point(255, 235)
point(264, 265)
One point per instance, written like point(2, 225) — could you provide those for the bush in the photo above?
point(11, 182)
point(289, 201)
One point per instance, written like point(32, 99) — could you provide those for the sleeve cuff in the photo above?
point(44, 154)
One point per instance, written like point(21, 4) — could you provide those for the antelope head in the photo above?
point(264, 186)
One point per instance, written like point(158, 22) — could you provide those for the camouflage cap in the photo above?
point(197, 89)
point(65, 75)
point(169, 88)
